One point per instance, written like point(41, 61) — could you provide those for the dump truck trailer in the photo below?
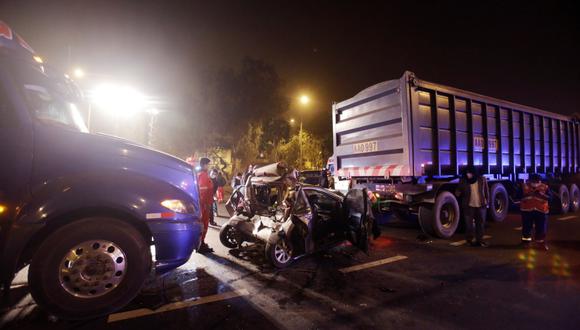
point(408, 140)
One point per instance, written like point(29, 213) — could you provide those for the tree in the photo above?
point(247, 149)
point(289, 152)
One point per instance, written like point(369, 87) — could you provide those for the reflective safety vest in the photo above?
point(535, 198)
point(205, 188)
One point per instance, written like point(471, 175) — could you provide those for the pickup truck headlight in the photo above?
point(177, 206)
point(400, 196)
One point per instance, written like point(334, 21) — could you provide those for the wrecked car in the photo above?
point(293, 219)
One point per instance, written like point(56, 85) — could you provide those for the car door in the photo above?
point(357, 218)
point(328, 222)
point(302, 211)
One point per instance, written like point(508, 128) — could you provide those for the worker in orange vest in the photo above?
point(535, 208)
point(206, 200)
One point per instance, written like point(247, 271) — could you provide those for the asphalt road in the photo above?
point(405, 282)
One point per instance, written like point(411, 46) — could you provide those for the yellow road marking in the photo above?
point(177, 305)
point(371, 264)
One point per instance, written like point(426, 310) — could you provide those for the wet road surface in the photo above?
point(406, 281)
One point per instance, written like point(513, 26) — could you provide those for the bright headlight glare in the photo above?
point(400, 196)
point(175, 205)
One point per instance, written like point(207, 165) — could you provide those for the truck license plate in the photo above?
point(368, 146)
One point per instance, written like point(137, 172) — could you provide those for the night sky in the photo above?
point(523, 52)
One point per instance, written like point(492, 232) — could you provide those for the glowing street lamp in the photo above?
point(292, 121)
point(78, 73)
point(118, 99)
point(304, 99)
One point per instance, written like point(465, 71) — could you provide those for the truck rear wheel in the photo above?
point(499, 201)
point(89, 268)
point(574, 198)
point(442, 218)
point(563, 201)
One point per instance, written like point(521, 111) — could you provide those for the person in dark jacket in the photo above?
point(213, 175)
point(535, 206)
point(474, 193)
point(237, 180)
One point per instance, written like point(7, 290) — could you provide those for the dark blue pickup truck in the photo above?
point(83, 210)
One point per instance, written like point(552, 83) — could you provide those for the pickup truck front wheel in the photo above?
point(442, 218)
point(89, 268)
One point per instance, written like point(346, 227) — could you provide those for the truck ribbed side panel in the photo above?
point(453, 128)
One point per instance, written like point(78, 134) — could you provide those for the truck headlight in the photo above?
point(400, 196)
point(177, 206)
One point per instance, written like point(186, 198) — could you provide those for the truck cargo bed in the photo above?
point(411, 127)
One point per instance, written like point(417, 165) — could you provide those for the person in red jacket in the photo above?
point(535, 206)
point(206, 200)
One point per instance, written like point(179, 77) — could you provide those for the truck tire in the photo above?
point(230, 237)
point(278, 254)
point(574, 198)
point(499, 202)
point(89, 268)
point(562, 202)
point(442, 218)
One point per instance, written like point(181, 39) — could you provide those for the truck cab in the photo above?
point(92, 215)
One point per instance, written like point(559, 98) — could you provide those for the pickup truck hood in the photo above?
point(65, 152)
point(118, 147)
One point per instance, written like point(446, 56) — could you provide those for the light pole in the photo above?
point(152, 116)
point(304, 100)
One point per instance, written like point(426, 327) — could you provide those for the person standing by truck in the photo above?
point(474, 193)
point(535, 208)
point(206, 200)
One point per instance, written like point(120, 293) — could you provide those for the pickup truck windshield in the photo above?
point(51, 99)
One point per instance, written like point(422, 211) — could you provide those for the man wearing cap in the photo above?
point(206, 200)
point(535, 208)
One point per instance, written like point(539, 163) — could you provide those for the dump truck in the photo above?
point(408, 140)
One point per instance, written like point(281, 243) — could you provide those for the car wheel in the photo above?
point(574, 198)
point(89, 268)
point(563, 201)
point(442, 218)
point(279, 254)
point(499, 203)
point(230, 237)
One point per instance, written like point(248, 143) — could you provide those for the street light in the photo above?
point(304, 100)
point(78, 73)
point(292, 121)
point(118, 100)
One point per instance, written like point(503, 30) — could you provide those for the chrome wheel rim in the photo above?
point(447, 215)
point(281, 253)
point(92, 268)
